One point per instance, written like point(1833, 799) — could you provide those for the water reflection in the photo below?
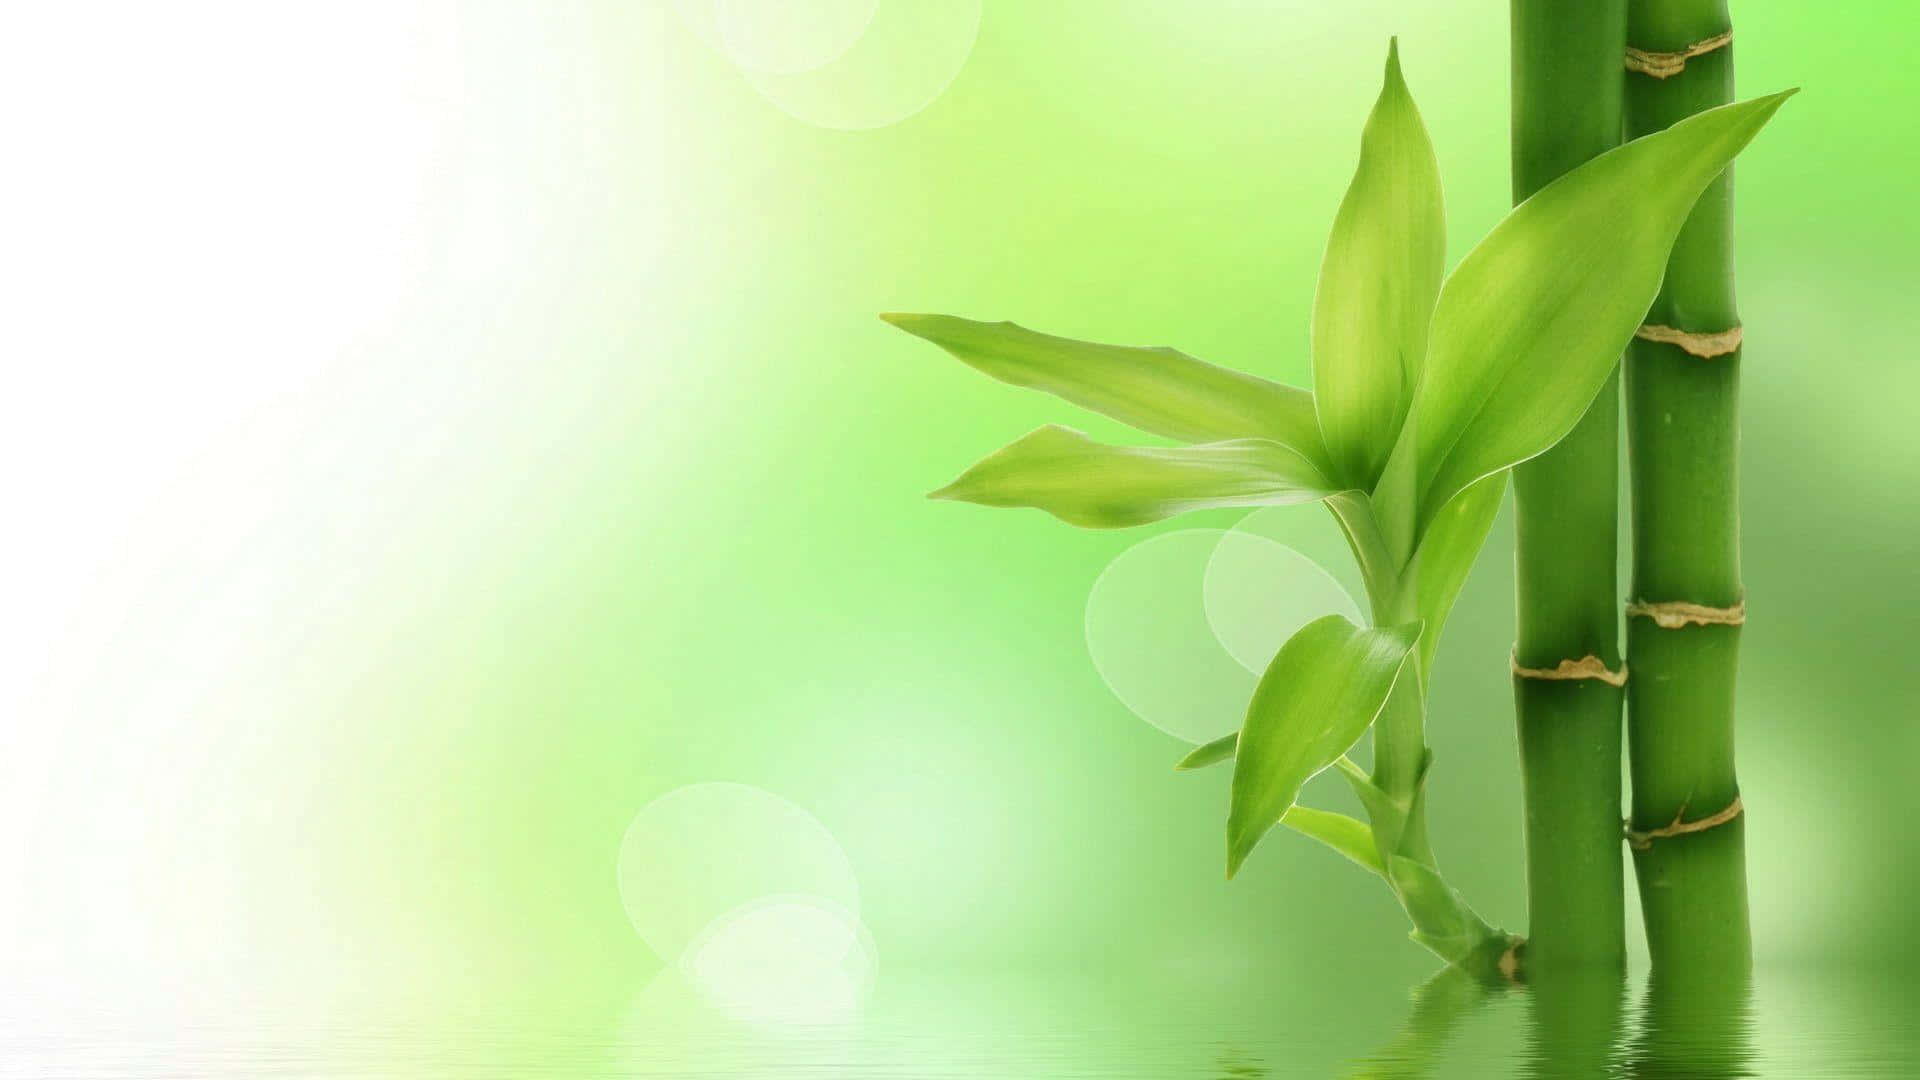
point(1575, 1026)
point(1440, 1005)
point(1698, 1024)
point(942, 1025)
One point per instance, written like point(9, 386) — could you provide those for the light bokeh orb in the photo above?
point(699, 852)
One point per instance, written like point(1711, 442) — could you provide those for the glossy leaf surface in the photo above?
point(1532, 322)
point(1158, 390)
point(1378, 282)
point(1098, 486)
point(1316, 699)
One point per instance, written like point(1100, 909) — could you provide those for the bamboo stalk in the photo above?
point(1567, 108)
point(1683, 631)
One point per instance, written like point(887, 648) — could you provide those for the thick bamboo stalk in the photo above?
point(1567, 108)
point(1683, 626)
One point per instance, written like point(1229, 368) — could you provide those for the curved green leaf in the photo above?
point(1158, 390)
point(1316, 699)
point(1452, 543)
point(1097, 486)
point(1378, 281)
point(1213, 753)
point(1529, 326)
point(1343, 834)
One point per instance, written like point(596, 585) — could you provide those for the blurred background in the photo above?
point(466, 529)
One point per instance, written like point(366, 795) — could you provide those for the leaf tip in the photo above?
point(1394, 76)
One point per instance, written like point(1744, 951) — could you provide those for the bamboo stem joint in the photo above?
point(1665, 65)
point(1587, 667)
point(1641, 841)
point(1706, 346)
point(1677, 614)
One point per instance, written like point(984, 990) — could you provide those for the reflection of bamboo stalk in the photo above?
point(1698, 1019)
point(1575, 1024)
point(1567, 104)
point(1683, 627)
point(1439, 1006)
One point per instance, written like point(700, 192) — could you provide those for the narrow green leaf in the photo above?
point(1378, 281)
point(1529, 326)
point(1351, 838)
point(1343, 834)
point(1213, 753)
point(1158, 390)
point(1452, 543)
point(1316, 699)
point(1097, 486)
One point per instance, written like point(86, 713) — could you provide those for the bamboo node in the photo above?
point(1642, 841)
point(1509, 964)
point(1677, 614)
point(1587, 667)
point(1706, 346)
point(1665, 65)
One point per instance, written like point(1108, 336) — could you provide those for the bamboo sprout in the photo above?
point(1683, 626)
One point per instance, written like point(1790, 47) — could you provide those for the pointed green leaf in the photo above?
point(1343, 834)
point(1448, 552)
point(1378, 282)
point(1351, 838)
point(1213, 753)
point(1529, 326)
point(1317, 698)
point(1158, 390)
point(1097, 486)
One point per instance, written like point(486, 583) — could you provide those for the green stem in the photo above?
point(1682, 417)
point(1567, 108)
point(1442, 919)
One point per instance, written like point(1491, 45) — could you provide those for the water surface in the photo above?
point(932, 1025)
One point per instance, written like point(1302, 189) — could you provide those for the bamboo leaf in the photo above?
point(1452, 543)
point(1213, 753)
point(1098, 486)
point(1531, 323)
point(1378, 281)
point(1343, 834)
point(1316, 699)
point(1158, 390)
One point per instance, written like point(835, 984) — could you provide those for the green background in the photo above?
point(717, 563)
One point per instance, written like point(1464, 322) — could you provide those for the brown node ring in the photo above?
point(1706, 346)
point(1587, 667)
point(1509, 963)
point(1677, 614)
point(1665, 65)
point(1642, 841)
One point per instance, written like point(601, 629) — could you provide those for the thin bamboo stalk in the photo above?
point(1683, 626)
point(1567, 108)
